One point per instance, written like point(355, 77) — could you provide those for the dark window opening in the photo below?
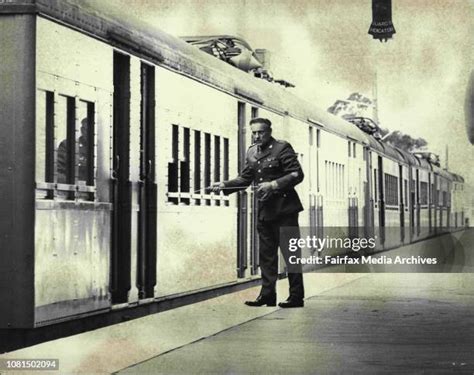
point(375, 186)
point(423, 192)
point(217, 161)
point(207, 163)
point(254, 112)
point(66, 145)
point(49, 167)
point(391, 189)
point(85, 146)
point(197, 163)
point(217, 158)
point(406, 191)
point(226, 163)
point(185, 166)
point(173, 165)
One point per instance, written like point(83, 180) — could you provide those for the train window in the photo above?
point(85, 144)
point(326, 178)
point(226, 163)
point(207, 162)
point(45, 144)
point(65, 140)
point(391, 189)
point(254, 113)
point(217, 158)
point(375, 185)
point(65, 148)
point(406, 191)
point(318, 138)
point(334, 180)
point(354, 150)
point(343, 181)
point(198, 160)
point(445, 199)
point(173, 165)
point(185, 165)
point(349, 148)
point(217, 162)
point(423, 192)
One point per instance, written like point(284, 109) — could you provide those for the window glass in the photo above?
point(217, 158)
point(185, 166)
point(61, 141)
point(375, 186)
point(85, 144)
point(391, 189)
point(41, 137)
point(423, 192)
point(198, 160)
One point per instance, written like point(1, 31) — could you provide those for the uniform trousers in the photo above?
point(272, 234)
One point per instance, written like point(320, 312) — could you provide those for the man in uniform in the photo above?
point(274, 167)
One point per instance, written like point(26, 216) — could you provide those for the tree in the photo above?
point(355, 105)
point(357, 108)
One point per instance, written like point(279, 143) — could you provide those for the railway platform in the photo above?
point(351, 323)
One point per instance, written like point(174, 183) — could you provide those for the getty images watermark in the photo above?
point(384, 250)
point(352, 244)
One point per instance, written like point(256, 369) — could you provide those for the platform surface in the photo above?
point(376, 324)
point(420, 323)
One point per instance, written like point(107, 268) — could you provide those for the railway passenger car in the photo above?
point(111, 134)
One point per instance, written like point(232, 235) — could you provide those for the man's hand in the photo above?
point(216, 187)
point(264, 189)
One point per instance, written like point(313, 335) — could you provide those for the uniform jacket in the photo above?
point(277, 162)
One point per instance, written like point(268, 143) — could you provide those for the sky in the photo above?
point(322, 46)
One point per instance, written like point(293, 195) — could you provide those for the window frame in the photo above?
point(72, 189)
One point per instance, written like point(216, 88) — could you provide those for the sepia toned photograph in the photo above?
point(236, 186)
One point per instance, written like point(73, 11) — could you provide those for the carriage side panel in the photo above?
point(17, 166)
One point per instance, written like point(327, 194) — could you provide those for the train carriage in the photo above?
point(129, 126)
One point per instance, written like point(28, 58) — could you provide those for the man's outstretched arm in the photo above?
point(241, 182)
